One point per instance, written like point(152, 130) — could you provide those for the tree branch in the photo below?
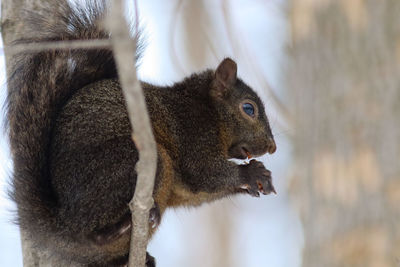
point(124, 50)
point(56, 45)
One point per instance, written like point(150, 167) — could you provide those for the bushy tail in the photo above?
point(39, 84)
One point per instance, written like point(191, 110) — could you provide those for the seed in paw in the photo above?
point(260, 188)
point(245, 186)
point(249, 156)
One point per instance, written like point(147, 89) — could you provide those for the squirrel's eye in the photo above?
point(249, 109)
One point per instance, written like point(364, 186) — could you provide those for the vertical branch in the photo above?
point(124, 50)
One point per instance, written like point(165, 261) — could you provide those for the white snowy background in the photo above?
point(262, 231)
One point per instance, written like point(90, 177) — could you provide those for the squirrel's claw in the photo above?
point(154, 216)
point(266, 187)
point(251, 191)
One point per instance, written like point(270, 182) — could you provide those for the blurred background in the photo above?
point(328, 72)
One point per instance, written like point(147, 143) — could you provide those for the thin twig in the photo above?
point(66, 45)
point(124, 50)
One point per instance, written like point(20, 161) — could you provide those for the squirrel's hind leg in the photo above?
point(113, 232)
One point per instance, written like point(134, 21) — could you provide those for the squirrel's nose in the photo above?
point(271, 145)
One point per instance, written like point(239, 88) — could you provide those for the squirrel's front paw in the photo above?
point(256, 178)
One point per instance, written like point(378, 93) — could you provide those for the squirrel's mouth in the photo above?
point(240, 151)
point(246, 151)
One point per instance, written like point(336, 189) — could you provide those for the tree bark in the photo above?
point(344, 83)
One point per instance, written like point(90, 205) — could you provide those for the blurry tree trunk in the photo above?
point(197, 29)
point(344, 80)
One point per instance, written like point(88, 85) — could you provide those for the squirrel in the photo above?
point(70, 137)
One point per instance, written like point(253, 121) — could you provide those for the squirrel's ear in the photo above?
point(225, 77)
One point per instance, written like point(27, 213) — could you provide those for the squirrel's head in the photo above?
point(245, 130)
